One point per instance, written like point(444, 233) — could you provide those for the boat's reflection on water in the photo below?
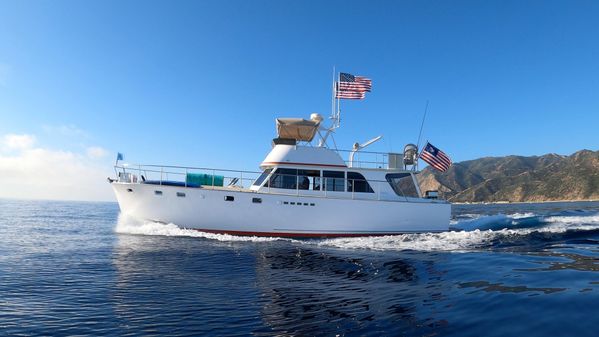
point(286, 288)
point(314, 291)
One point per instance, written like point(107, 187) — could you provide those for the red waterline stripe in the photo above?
point(293, 235)
point(288, 163)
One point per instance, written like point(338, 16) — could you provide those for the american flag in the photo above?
point(352, 87)
point(435, 157)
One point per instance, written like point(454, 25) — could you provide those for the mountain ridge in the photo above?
point(513, 178)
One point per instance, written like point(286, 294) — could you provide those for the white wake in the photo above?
point(129, 225)
point(466, 234)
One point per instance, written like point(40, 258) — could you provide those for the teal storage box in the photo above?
point(203, 179)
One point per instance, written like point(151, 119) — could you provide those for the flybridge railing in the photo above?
point(180, 175)
point(366, 159)
point(328, 187)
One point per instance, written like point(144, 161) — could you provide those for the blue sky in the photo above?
point(200, 82)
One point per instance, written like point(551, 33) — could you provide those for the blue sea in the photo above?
point(77, 269)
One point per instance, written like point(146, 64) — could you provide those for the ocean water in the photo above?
point(75, 268)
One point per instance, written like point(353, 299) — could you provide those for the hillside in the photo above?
point(549, 177)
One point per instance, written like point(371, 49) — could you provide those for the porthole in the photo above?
point(158, 192)
point(257, 200)
point(181, 194)
point(129, 190)
point(229, 198)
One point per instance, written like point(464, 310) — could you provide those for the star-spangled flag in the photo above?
point(352, 87)
point(435, 157)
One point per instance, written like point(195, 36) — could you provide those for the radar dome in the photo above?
point(410, 154)
point(316, 117)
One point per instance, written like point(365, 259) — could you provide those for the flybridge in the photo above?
point(306, 155)
point(293, 144)
point(291, 131)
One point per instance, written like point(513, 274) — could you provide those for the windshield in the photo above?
point(262, 177)
point(403, 184)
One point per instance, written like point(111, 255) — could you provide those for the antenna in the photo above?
point(422, 124)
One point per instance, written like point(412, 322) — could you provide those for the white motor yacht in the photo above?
point(302, 190)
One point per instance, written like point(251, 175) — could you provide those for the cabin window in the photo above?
point(403, 184)
point(229, 198)
point(158, 192)
point(262, 177)
point(334, 180)
point(308, 179)
point(181, 194)
point(284, 178)
point(357, 183)
point(257, 200)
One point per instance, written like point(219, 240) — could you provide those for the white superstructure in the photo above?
point(302, 191)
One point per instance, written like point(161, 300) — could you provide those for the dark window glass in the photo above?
point(309, 179)
point(403, 184)
point(284, 178)
point(357, 183)
point(261, 178)
point(334, 180)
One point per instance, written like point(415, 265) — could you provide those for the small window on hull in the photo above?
point(257, 200)
point(158, 192)
point(181, 194)
point(229, 198)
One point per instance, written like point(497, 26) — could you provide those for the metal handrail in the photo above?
point(185, 167)
point(372, 160)
point(242, 180)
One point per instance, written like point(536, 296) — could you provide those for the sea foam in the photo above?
point(465, 235)
point(130, 225)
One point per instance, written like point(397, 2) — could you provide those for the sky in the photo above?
point(199, 83)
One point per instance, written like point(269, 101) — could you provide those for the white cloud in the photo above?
point(18, 142)
point(69, 130)
point(96, 152)
point(33, 172)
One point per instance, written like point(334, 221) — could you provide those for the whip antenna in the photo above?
point(422, 124)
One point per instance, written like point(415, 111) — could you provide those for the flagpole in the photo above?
point(338, 110)
point(333, 95)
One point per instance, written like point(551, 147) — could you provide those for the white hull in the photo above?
point(279, 214)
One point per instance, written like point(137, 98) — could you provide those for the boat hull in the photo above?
point(266, 214)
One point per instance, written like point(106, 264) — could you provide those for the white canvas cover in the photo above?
point(297, 128)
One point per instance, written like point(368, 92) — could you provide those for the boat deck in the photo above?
point(183, 184)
